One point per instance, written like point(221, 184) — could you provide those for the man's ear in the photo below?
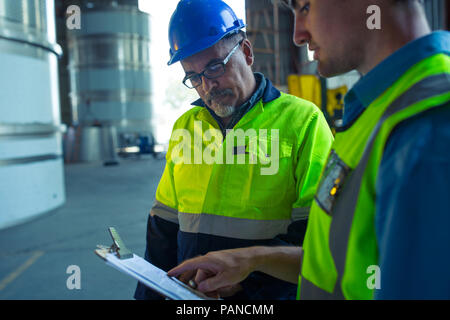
point(248, 52)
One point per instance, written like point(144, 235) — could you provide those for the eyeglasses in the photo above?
point(212, 71)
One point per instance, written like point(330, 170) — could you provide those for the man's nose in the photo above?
point(301, 34)
point(207, 84)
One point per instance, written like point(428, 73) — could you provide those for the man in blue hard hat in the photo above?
point(202, 205)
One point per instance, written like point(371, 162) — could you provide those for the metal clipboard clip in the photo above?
point(118, 247)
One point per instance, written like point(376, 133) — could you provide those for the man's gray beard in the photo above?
point(224, 111)
point(220, 110)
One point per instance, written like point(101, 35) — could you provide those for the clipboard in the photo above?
point(121, 258)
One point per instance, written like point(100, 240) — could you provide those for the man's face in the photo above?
point(228, 91)
point(335, 30)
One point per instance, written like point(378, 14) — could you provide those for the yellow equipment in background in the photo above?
point(309, 87)
point(335, 106)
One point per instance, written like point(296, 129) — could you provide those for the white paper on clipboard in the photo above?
point(154, 278)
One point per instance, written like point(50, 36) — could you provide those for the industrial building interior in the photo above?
point(85, 122)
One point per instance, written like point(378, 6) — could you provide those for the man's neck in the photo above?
point(400, 25)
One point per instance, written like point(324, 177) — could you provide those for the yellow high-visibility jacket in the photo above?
point(252, 186)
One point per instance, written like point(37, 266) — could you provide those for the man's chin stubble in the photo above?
point(224, 111)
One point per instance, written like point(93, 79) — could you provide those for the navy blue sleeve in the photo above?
point(413, 209)
point(161, 251)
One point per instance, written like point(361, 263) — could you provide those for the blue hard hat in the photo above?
point(199, 24)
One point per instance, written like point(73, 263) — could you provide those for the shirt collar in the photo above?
point(385, 74)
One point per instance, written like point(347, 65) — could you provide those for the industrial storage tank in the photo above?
point(31, 165)
point(110, 79)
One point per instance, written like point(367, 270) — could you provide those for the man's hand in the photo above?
point(218, 272)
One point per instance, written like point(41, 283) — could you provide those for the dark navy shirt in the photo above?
point(412, 218)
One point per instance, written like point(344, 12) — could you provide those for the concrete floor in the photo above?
point(34, 256)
